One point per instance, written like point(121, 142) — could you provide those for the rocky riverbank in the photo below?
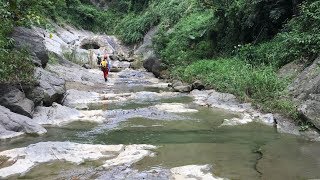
point(67, 92)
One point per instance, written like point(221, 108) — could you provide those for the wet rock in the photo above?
point(15, 100)
point(193, 172)
point(118, 155)
point(151, 96)
point(176, 83)
point(182, 89)
point(8, 134)
point(198, 85)
point(80, 99)
point(26, 158)
point(174, 108)
point(151, 113)
point(86, 66)
point(58, 115)
point(310, 110)
point(50, 88)
point(229, 102)
point(245, 119)
point(219, 100)
point(121, 172)
point(28, 38)
point(12, 124)
point(130, 155)
point(55, 115)
point(286, 125)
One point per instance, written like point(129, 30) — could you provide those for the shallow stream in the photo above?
point(251, 151)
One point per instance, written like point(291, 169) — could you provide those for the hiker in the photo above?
point(99, 59)
point(105, 67)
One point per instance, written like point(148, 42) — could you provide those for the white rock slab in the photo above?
point(26, 158)
point(130, 155)
point(175, 108)
point(58, 115)
point(193, 172)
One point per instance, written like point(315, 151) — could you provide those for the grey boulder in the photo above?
point(310, 110)
point(11, 124)
point(51, 88)
point(32, 41)
point(306, 91)
point(16, 101)
point(198, 85)
point(181, 87)
point(153, 64)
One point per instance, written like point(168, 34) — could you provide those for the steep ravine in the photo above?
point(135, 127)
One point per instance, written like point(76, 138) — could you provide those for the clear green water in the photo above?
point(234, 152)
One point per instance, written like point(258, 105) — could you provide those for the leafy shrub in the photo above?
point(133, 27)
point(16, 67)
point(300, 40)
point(236, 77)
point(187, 40)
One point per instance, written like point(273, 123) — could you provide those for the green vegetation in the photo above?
point(233, 46)
point(16, 67)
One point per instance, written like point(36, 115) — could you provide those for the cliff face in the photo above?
point(306, 91)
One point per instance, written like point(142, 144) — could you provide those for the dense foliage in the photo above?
point(197, 38)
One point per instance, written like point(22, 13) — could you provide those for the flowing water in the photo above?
point(251, 151)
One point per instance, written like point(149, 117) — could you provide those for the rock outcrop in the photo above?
point(50, 88)
point(58, 115)
point(150, 61)
point(12, 124)
point(23, 159)
point(181, 87)
point(32, 41)
point(15, 100)
point(306, 90)
point(153, 64)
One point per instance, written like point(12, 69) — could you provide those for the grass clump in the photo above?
point(259, 85)
point(16, 67)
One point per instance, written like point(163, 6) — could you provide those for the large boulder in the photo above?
point(307, 82)
point(153, 64)
point(12, 124)
point(15, 100)
point(32, 41)
point(150, 61)
point(181, 87)
point(50, 88)
point(306, 91)
point(310, 110)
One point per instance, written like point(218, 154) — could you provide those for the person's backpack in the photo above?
point(104, 65)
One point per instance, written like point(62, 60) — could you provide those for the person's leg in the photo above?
point(105, 74)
